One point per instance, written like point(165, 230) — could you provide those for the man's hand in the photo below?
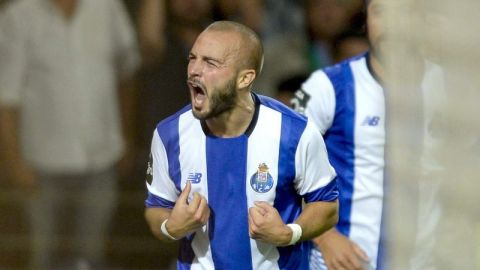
point(187, 217)
point(265, 223)
point(340, 253)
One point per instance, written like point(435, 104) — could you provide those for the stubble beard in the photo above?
point(220, 102)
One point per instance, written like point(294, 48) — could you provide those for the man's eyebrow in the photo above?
point(209, 58)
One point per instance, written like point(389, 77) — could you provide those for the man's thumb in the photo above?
point(185, 192)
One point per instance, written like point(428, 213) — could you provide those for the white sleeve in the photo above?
point(161, 185)
point(12, 57)
point(316, 99)
point(314, 174)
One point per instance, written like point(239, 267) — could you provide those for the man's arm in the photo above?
point(13, 56)
point(17, 169)
point(155, 217)
point(266, 224)
point(185, 217)
point(339, 252)
point(317, 218)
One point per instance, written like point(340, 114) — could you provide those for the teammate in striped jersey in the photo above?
point(347, 103)
point(229, 172)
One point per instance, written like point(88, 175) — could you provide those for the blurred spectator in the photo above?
point(348, 44)
point(282, 18)
point(283, 57)
point(325, 19)
point(248, 12)
point(309, 48)
point(65, 107)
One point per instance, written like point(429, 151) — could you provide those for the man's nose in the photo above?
point(195, 67)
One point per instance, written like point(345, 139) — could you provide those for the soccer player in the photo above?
point(228, 173)
point(347, 103)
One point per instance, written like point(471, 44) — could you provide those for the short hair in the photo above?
point(251, 42)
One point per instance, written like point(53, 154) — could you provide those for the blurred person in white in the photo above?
point(351, 103)
point(453, 42)
point(65, 99)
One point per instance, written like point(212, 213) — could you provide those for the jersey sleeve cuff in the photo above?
point(327, 193)
point(155, 201)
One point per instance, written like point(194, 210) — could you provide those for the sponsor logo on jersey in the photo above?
point(262, 180)
point(300, 100)
point(195, 178)
point(149, 170)
point(371, 121)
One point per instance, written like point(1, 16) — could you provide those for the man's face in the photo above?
point(389, 28)
point(212, 73)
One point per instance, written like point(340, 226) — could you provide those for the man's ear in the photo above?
point(245, 78)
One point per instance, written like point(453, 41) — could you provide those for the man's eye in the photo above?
point(211, 63)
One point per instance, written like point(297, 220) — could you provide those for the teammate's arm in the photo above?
point(339, 252)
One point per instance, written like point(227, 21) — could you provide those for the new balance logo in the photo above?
point(371, 121)
point(195, 178)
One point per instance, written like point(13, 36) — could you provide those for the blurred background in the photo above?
point(299, 36)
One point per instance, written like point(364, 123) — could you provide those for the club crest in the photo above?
point(262, 180)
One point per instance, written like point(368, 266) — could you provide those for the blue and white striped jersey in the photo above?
point(347, 104)
point(280, 159)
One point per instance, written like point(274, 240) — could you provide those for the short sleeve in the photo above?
point(12, 57)
point(316, 99)
point(315, 177)
point(161, 188)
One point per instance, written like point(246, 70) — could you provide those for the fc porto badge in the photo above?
point(261, 181)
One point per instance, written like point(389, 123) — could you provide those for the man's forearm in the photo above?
point(317, 218)
point(155, 218)
point(10, 154)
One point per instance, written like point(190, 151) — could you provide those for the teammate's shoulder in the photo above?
point(280, 107)
point(325, 74)
point(345, 64)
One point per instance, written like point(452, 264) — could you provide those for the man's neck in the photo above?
point(235, 122)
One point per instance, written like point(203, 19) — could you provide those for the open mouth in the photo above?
point(198, 93)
